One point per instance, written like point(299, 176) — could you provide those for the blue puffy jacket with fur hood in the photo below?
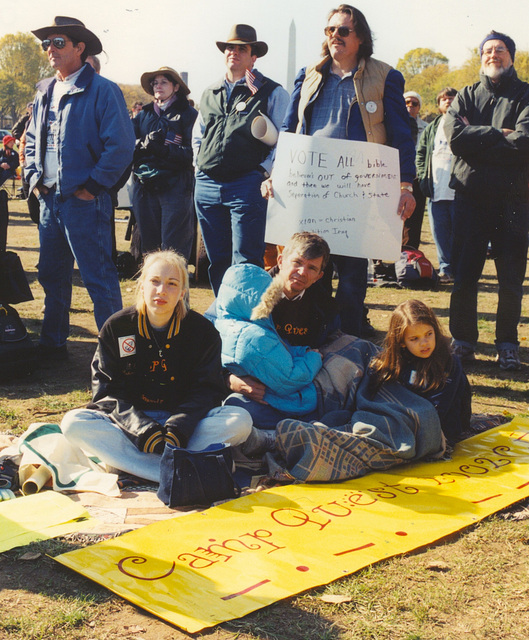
point(254, 348)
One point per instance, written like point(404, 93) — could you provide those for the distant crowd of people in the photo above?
point(165, 374)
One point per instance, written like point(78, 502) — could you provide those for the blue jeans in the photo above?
point(95, 433)
point(166, 219)
point(77, 230)
point(232, 218)
point(351, 292)
point(441, 215)
point(263, 415)
point(504, 223)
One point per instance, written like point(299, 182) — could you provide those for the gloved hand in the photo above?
point(154, 142)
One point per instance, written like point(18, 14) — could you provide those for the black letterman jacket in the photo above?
point(129, 377)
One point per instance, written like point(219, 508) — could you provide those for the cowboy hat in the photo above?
point(244, 34)
point(149, 76)
point(76, 30)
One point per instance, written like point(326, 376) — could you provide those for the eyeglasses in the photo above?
point(343, 32)
point(489, 50)
point(58, 43)
point(412, 103)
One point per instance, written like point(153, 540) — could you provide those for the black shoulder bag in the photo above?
point(197, 477)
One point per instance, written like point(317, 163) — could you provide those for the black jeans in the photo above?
point(504, 223)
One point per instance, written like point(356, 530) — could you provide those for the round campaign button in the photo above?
point(240, 106)
point(371, 106)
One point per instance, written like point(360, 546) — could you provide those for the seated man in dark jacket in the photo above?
point(307, 314)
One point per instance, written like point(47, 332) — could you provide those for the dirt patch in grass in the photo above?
point(482, 592)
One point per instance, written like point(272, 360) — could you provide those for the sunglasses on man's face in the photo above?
point(343, 32)
point(58, 43)
point(412, 103)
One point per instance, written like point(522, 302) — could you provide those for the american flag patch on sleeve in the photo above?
point(173, 139)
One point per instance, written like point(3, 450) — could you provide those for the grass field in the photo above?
point(481, 593)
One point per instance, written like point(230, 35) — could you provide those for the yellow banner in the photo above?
point(39, 517)
point(205, 568)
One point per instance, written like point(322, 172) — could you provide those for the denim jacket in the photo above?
point(96, 138)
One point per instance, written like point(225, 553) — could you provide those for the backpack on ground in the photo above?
point(18, 354)
point(415, 271)
point(14, 285)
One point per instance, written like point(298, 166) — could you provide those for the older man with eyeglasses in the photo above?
point(487, 127)
point(350, 95)
point(79, 143)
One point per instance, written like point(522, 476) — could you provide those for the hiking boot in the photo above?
point(509, 359)
point(464, 353)
point(259, 442)
point(367, 330)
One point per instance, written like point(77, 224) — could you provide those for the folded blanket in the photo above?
point(386, 429)
point(70, 468)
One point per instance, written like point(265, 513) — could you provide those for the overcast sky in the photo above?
point(142, 36)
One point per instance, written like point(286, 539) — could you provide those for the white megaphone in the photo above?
point(264, 130)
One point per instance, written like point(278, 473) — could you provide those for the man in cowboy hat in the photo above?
point(79, 143)
point(231, 163)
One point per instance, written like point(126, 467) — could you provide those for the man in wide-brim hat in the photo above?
point(232, 163)
point(244, 34)
point(76, 30)
point(79, 143)
point(147, 78)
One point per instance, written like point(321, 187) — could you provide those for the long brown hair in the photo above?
point(390, 362)
point(361, 28)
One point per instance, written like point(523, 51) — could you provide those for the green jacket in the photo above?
point(228, 149)
point(423, 157)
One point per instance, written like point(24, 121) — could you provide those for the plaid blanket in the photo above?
point(385, 429)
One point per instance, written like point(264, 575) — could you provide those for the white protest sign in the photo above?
point(345, 191)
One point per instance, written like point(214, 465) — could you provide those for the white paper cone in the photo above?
point(265, 130)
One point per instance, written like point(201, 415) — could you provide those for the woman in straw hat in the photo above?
point(163, 164)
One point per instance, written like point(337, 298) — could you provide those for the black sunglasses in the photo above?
point(343, 32)
point(58, 43)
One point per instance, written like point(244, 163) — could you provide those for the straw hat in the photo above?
point(149, 76)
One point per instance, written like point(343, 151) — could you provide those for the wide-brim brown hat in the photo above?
point(244, 34)
point(76, 30)
point(149, 76)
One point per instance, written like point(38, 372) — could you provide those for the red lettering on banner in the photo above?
point(205, 557)
point(358, 499)
point(140, 560)
point(381, 492)
point(328, 512)
point(295, 518)
point(259, 535)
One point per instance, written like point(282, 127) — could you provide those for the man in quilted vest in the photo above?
point(231, 163)
point(350, 95)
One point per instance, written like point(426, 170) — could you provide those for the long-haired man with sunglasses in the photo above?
point(350, 95)
point(79, 143)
